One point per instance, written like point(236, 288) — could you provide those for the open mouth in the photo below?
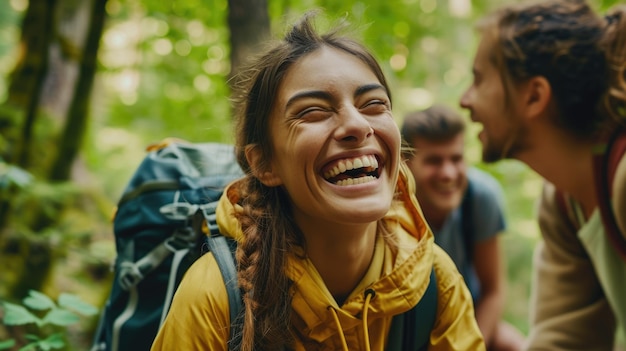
point(353, 171)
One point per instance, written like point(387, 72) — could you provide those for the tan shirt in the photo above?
point(579, 280)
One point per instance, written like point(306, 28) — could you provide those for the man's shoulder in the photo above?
point(483, 184)
point(486, 203)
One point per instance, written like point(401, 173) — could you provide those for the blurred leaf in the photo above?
point(7, 344)
point(54, 341)
point(12, 175)
point(31, 347)
point(73, 302)
point(60, 317)
point(38, 301)
point(18, 315)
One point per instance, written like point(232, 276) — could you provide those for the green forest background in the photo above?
point(86, 85)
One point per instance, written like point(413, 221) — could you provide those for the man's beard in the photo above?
point(505, 150)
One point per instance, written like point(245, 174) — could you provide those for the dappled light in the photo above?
point(460, 8)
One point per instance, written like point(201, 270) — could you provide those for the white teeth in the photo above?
point(353, 181)
point(342, 168)
point(374, 162)
point(368, 161)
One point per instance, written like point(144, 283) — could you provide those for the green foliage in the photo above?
point(62, 314)
point(13, 176)
point(7, 344)
point(25, 191)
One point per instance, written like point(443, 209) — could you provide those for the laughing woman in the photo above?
point(332, 243)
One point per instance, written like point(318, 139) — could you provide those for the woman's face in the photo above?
point(335, 144)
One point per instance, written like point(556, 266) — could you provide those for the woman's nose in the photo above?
point(353, 126)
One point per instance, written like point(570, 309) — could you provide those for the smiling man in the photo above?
point(464, 210)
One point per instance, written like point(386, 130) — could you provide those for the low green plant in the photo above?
point(42, 311)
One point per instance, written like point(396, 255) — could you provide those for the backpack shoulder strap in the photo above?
point(467, 223)
point(605, 164)
point(410, 331)
point(223, 250)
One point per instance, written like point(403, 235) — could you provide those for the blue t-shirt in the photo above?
point(487, 209)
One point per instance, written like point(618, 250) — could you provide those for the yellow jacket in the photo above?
point(199, 315)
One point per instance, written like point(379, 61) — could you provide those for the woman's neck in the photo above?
point(341, 255)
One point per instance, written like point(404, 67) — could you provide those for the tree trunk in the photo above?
point(82, 57)
point(25, 88)
point(28, 77)
point(249, 24)
point(72, 136)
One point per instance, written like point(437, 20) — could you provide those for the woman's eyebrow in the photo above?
point(369, 87)
point(318, 94)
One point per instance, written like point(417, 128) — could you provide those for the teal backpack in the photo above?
point(158, 237)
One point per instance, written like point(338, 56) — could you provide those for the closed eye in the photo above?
point(376, 106)
point(313, 113)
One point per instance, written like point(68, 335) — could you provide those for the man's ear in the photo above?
point(538, 96)
point(261, 169)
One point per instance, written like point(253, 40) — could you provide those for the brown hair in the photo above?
point(582, 55)
point(436, 123)
point(267, 221)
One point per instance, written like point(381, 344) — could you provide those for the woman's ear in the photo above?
point(260, 168)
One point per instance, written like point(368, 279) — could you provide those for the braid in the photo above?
point(261, 258)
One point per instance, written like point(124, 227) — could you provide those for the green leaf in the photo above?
point(54, 341)
point(32, 337)
point(14, 175)
point(76, 304)
point(30, 347)
point(38, 301)
point(18, 315)
point(7, 344)
point(60, 317)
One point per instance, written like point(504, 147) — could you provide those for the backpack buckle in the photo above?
point(183, 238)
point(130, 275)
point(178, 210)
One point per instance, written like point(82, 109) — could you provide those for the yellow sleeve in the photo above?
point(199, 316)
point(456, 327)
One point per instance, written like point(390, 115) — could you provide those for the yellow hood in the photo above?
point(399, 278)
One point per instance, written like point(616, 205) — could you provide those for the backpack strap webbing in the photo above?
point(223, 250)
point(467, 223)
point(410, 331)
point(605, 164)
